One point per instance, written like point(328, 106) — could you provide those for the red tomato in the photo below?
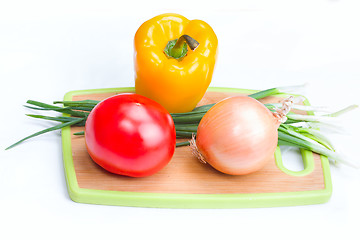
point(129, 134)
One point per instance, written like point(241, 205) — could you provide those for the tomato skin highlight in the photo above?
point(129, 134)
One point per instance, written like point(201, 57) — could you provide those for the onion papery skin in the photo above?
point(237, 136)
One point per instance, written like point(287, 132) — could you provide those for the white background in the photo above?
point(48, 48)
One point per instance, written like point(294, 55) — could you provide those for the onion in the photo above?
point(238, 135)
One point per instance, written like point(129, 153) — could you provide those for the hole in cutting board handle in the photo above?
point(292, 158)
point(293, 161)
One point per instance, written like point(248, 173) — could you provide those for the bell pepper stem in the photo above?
point(193, 44)
point(177, 48)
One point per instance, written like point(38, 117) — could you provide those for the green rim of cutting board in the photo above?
point(175, 200)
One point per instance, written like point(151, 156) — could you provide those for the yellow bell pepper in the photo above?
point(167, 69)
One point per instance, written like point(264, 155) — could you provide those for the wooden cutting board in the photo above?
point(187, 183)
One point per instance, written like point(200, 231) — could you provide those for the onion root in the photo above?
point(195, 151)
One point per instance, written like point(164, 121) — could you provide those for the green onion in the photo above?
point(79, 133)
point(307, 136)
point(60, 126)
point(81, 109)
point(58, 119)
point(67, 110)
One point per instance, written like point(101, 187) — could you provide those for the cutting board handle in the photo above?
point(308, 163)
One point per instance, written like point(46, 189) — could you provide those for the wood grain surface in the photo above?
point(185, 174)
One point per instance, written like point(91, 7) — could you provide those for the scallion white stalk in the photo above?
point(329, 127)
point(287, 139)
point(342, 111)
point(312, 118)
point(292, 89)
point(302, 107)
point(317, 136)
